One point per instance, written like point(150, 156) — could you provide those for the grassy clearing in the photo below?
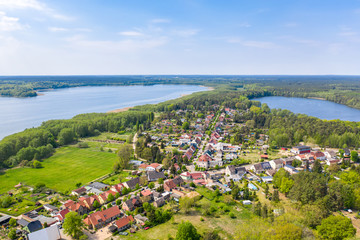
point(221, 221)
point(68, 166)
point(115, 179)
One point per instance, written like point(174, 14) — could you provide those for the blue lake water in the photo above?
point(17, 114)
point(313, 107)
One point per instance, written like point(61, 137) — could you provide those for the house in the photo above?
point(290, 169)
point(131, 204)
point(49, 233)
point(50, 208)
point(330, 154)
point(332, 161)
point(154, 176)
point(132, 183)
point(266, 165)
point(143, 167)
point(124, 223)
point(301, 149)
point(140, 219)
point(22, 222)
point(346, 152)
point(98, 185)
point(159, 202)
point(146, 195)
point(185, 176)
point(276, 164)
point(172, 183)
point(169, 185)
point(79, 191)
point(61, 215)
point(319, 155)
point(257, 168)
point(33, 226)
point(117, 188)
point(234, 173)
point(101, 218)
point(4, 220)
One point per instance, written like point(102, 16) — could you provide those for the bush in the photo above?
point(82, 145)
point(232, 215)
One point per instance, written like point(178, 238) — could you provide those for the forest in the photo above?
point(339, 89)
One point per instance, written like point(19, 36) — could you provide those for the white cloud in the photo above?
point(32, 4)
point(58, 29)
point(16, 4)
point(9, 23)
point(131, 34)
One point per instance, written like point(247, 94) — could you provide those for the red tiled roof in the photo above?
point(122, 222)
point(146, 192)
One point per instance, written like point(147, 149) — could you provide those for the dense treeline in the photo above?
point(37, 143)
point(340, 89)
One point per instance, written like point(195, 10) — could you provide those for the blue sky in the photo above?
point(40, 37)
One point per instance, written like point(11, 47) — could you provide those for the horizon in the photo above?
point(60, 38)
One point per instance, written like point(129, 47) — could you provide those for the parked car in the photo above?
point(146, 228)
point(123, 233)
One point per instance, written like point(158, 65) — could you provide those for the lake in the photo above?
point(313, 107)
point(17, 114)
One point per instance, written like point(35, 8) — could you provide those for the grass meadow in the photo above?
point(68, 166)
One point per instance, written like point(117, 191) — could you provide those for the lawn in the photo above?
point(68, 166)
point(221, 222)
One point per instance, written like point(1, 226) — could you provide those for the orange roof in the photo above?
point(122, 222)
point(146, 192)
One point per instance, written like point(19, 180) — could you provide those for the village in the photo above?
point(202, 157)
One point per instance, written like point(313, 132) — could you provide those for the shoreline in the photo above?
point(182, 95)
point(120, 110)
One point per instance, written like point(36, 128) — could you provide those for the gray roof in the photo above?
point(34, 226)
point(132, 183)
point(155, 175)
point(98, 185)
point(22, 222)
point(4, 219)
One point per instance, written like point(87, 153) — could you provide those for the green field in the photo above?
point(68, 166)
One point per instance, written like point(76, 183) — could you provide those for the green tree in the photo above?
point(354, 156)
point(12, 234)
point(66, 136)
point(287, 231)
point(336, 228)
point(151, 185)
point(186, 231)
point(286, 185)
point(73, 225)
point(275, 197)
point(36, 164)
point(96, 204)
point(12, 222)
point(279, 175)
point(110, 198)
point(186, 126)
point(317, 168)
point(124, 154)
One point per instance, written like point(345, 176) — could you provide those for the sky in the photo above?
point(232, 37)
